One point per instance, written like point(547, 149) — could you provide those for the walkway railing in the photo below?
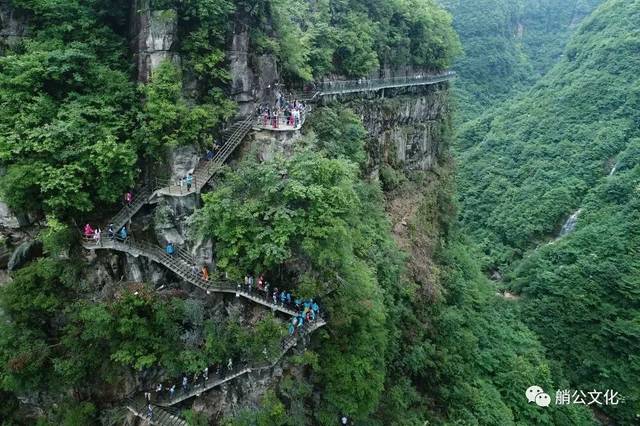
point(180, 264)
point(338, 87)
point(207, 168)
point(159, 415)
point(204, 386)
point(163, 414)
point(283, 124)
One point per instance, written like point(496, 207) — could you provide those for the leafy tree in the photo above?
point(508, 46)
point(64, 86)
point(167, 120)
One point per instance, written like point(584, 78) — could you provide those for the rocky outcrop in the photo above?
point(24, 253)
point(9, 219)
point(244, 392)
point(154, 35)
point(407, 126)
point(265, 144)
point(183, 160)
point(254, 78)
point(13, 25)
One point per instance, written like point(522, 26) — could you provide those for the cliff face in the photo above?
point(406, 129)
point(154, 35)
point(13, 25)
point(406, 126)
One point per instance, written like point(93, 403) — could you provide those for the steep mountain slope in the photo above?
point(569, 143)
point(508, 45)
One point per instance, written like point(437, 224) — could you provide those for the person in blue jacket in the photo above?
point(170, 249)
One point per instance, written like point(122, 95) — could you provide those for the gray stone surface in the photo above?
point(24, 253)
point(154, 37)
point(406, 126)
point(183, 160)
point(13, 25)
point(8, 219)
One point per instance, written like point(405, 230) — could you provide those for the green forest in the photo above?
point(569, 144)
point(508, 46)
point(506, 258)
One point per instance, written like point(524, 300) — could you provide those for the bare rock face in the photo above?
point(154, 35)
point(407, 126)
point(24, 253)
point(253, 77)
point(203, 253)
point(7, 218)
point(13, 25)
point(183, 160)
point(268, 144)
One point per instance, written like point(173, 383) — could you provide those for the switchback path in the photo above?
point(179, 264)
point(160, 417)
point(287, 344)
point(206, 169)
point(162, 411)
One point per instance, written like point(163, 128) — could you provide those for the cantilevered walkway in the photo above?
point(342, 87)
point(206, 169)
point(181, 264)
point(164, 415)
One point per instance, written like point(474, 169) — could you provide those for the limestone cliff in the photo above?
point(154, 35)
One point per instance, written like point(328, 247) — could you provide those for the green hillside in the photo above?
point(526, 167)
point(508, 45)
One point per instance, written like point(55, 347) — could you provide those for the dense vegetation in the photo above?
point(401, 348)
point(508, 45)
point(72, 128)
point(528, 165)
point(352, 37)
point(66, 97)
point(304, 217)
point(58, 337)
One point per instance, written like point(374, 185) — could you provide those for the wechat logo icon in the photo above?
point(536, 394)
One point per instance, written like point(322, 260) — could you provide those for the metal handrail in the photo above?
point(183, 269)
point(326, 88)
point(282, 121)
point(239, 370)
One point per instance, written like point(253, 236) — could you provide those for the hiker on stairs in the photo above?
point(170, 249)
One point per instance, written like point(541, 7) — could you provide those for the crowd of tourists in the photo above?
point(282, 113)
point(90, 233)
point(306, 310)
point(161, 392)
point(95, 235)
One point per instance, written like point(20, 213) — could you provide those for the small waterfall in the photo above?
point(613, 170)
point(570, 224)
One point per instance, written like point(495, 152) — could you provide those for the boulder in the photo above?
point(25, 253)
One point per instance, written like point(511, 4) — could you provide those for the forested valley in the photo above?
point(318, 212)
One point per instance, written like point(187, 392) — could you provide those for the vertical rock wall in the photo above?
point(407, 126)
point(13, 25)
point(154, 34)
